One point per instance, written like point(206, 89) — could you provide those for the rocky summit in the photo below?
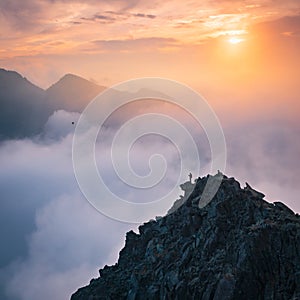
point(238, 246)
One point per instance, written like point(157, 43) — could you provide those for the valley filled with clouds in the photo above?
point(55, 240)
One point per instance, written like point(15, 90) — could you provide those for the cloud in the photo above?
point(57, 241)
point(45, 221)
point(31, 175)
point(100, 18)
point(60, 125)
point(31, 15)
point(109, 17)
point(287, 24)
point(70, 243)
point(20, 14)
point(75, 24)
point(140, 15)
point(264, 154)
point(40, 172)
point(35, 15)
point(133, 45)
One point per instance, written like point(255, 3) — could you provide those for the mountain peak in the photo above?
point(25, 108)
point(238, 246)
point(70, 78)
point(72, 93)
point(71, 75)
point(9, 78)
point(4, 72)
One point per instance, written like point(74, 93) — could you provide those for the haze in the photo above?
point(242, 56)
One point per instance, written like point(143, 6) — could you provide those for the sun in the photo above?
point(235, 40)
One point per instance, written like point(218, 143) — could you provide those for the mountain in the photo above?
point(23, 109)
point(239, 246)
point(72, 93)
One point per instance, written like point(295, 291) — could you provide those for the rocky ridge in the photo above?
point(239, 246)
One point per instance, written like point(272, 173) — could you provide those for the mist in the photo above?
point(55, 240)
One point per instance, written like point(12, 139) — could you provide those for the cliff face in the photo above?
point(237, 247)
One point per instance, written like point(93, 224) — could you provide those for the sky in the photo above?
point(112, 41)
point(242, 56)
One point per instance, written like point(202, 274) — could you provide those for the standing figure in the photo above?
point(190, 176)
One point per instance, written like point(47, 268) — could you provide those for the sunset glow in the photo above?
point(185, 41)
point(235, 40)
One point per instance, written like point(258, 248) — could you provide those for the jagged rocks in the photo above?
point(239, 246)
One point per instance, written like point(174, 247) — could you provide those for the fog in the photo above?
point(55, 241)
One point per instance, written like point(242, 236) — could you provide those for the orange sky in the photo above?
point(189, 41)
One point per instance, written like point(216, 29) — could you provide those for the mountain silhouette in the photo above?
point(239, 246)
point(72, 93)
point(25, 108)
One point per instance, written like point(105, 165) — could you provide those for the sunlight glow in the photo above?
point(235, 40)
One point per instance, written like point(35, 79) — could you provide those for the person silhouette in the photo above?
point(190, 177)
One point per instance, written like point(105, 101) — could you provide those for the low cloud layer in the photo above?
point(55, 241)
point(53, 236)
point(71, 240)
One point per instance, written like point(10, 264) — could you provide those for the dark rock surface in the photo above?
point(239, 246)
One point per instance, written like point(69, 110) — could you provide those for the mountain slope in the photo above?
point(23, 109)
point(237, 247)
point(72, 93)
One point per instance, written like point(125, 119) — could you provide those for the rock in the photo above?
point(238, 246)
point(253, 192)
point(283, 207)
point(225, 288)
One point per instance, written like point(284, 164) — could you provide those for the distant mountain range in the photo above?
point(25, 108)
